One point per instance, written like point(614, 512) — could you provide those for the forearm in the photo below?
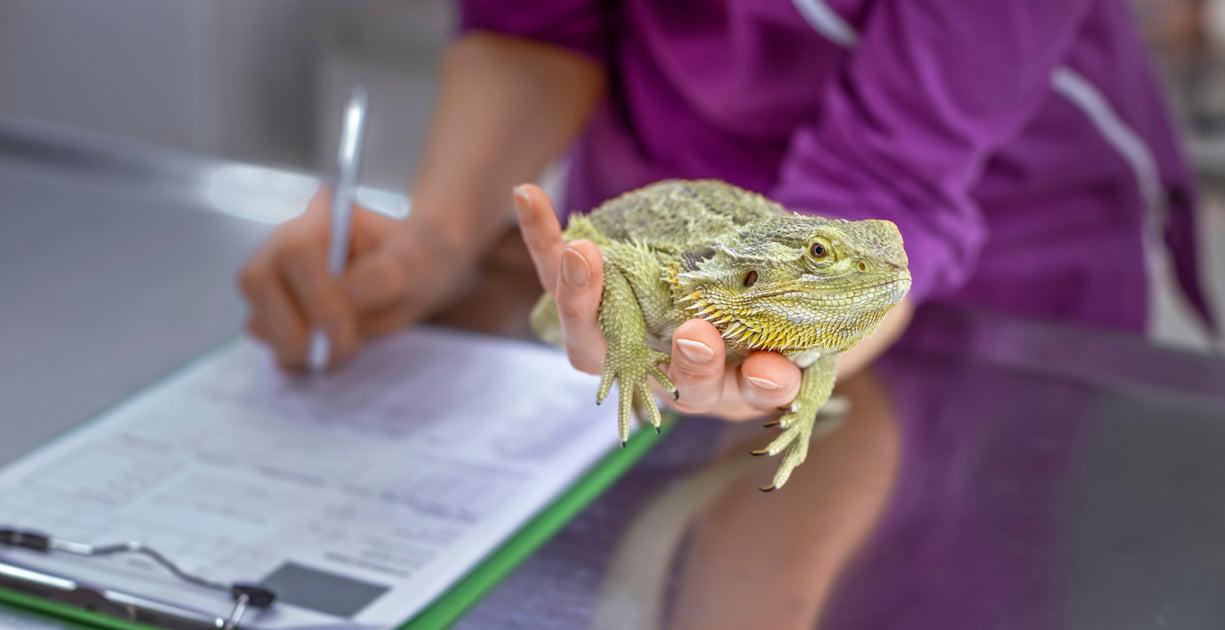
point(505, 108)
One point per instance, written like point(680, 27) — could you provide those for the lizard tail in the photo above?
point(544, 319)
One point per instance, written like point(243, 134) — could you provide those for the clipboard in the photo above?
point(468, 590)
point(439, 605)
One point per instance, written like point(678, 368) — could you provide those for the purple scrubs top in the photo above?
point(1021, 146)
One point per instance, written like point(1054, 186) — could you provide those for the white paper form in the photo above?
point(360, 497)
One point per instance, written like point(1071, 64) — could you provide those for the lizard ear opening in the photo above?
point(691, 260)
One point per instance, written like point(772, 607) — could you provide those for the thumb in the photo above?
point(541, 232)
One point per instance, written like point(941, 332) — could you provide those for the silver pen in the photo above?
point(343, 195)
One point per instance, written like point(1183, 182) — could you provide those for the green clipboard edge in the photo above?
point(466, 592)
point(64, 611)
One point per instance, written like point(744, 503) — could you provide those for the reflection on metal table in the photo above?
point(992, 474)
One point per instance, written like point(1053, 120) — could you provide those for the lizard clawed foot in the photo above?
point(792, 442)
point(800, 421)
point(630, 368)
point(799, 427)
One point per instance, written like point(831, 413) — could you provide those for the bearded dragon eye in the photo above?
point(817, 251)
point(750, 278)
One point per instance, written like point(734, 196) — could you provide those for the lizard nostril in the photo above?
point(861, 266)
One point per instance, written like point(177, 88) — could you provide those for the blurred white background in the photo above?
point(251, 81)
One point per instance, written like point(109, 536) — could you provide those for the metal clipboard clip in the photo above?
point(127, 606)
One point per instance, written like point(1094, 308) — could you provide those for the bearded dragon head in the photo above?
point(797, 282)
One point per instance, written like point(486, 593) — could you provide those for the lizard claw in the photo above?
point(664, 381)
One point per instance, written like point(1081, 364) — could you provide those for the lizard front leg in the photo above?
point(800, 423)
point(629, 361)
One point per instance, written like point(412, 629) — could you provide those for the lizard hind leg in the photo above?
point(629, 362)
point(801, 423)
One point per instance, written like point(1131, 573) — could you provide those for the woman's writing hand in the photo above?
point(398, 272)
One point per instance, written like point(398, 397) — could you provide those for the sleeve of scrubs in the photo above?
point(930, 88)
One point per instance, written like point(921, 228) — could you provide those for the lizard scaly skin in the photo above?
point(768, 279)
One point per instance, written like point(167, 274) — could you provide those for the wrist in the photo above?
point(455, 229)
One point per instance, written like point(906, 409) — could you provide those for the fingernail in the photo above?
point(695, 351)
point(574, 268)
point(763, 383)
point(522, 199)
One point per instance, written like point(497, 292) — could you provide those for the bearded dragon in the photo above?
point(768, 279)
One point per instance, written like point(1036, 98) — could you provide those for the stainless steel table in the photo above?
point(997, 474)
point(112, 272)
point(990, 474)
